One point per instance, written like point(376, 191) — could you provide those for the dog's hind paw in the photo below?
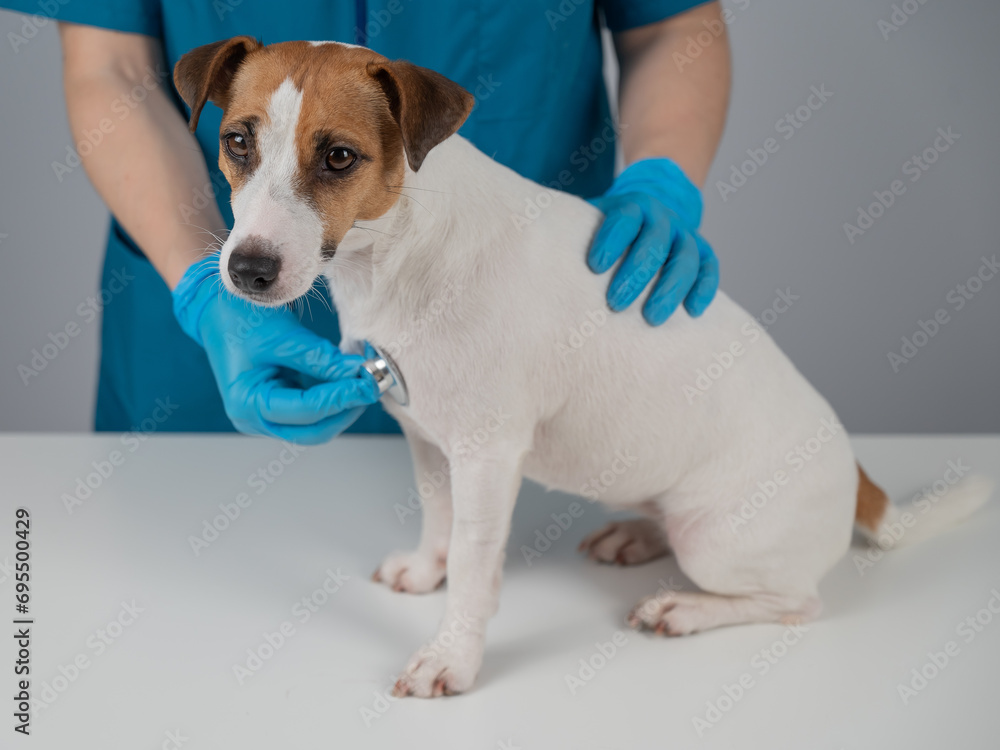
point(684, 612)
point(412, 572)
point(626, 542)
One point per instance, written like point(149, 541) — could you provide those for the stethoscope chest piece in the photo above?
point(387, 376)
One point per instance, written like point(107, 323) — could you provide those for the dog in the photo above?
point(346, 164)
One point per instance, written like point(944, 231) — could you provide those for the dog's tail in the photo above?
point(926, 515)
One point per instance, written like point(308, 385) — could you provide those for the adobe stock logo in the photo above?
point(787, 127)
point(88, 311)
point(47, 10)
point(901, 13)
point(732, 693)
point(713, 29)
point(914, 168)
point(957, 298)
point(968, 629)
point(598, 659)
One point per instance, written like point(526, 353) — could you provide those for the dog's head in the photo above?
point(314, 137)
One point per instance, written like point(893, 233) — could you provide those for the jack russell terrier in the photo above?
point(347, 164)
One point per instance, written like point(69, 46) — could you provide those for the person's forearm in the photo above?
point(669, 107)
point(147, 165)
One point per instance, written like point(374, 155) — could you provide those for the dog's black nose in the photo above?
point(253, 272)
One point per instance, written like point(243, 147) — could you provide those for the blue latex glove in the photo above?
point(652, 211)
point(263, 359)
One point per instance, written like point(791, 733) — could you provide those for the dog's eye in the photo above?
point(340, 159)
point(236, 145)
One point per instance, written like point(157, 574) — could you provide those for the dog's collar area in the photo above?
point(387, 376)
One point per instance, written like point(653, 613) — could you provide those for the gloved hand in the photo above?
point(655, 210)
point(259, 356)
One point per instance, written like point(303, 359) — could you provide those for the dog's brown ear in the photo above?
point(205, 74)
point(427, 106)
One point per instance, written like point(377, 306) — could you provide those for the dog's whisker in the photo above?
point(403, 195)
point(211, 248)
point(426, 190)
point(351, 263)
point(306, 307)
point(324, 299)
point(220, 240)
point(371, 229)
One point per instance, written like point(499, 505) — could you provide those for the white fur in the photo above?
point(514, 367)
point(267, 207)
point(526, 290)
point(340, 44)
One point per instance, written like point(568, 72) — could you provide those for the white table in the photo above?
point(170, 667)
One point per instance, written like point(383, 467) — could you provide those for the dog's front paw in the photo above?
point(446, 666)
point(413, 572)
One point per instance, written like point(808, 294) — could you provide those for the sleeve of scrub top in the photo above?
point(622, 15)
point(133, 16)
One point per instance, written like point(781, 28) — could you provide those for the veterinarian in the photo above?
point(534, 67)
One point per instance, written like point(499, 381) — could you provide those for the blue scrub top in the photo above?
point(534, 67)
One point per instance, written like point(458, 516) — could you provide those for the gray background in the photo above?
point(782, 229)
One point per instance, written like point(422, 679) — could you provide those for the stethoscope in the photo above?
point(387, 376)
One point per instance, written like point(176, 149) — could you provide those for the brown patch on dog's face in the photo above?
point(314, 138)
point(348, 150)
